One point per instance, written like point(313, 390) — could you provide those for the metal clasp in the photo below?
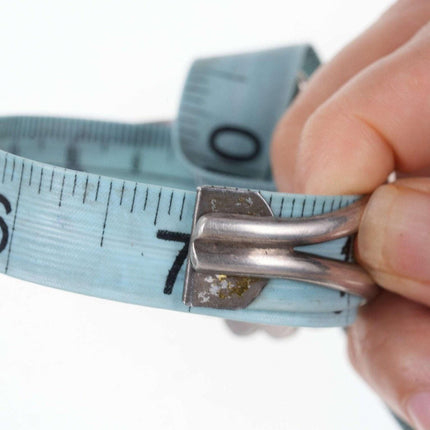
point(237, 245)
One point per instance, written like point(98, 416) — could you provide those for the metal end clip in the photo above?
point(237, 245)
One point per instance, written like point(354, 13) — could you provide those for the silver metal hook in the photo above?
point(261, 247)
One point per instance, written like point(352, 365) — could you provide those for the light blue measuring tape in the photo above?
point(106, 209)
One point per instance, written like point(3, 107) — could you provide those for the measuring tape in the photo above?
point(106, 209)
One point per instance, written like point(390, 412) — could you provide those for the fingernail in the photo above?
point(394, 233)
point(419, 410)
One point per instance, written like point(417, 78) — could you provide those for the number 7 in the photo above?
point(180, 256)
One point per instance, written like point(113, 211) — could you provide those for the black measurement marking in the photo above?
point(40, 181)
point(4, 168)
point(85, 191)
point(323, 207)
point(97, 190)
point(106, 215)
point(158, 207)
point(14, 218)
point(232, 129)
point(313, 207)
point(122, 193)
point(146, 199)
point(292, 207)
point(13, 170)
point(170, 203)
point(61, 192)
point(134, 198)
point(182, 208)
point(332, 206)
point(74, 184)
point(4, 228)
point(303, 207)
point(270, 200)
point(180, 256)
point(52, 180)
point(282, 207)
point(31, 175)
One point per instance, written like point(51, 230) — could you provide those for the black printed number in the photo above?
point(247, 135)
point(180, 256)
point(3, 226)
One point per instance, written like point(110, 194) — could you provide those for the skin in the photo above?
point(363, 115)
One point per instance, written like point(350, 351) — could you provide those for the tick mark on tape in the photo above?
point(170, 203)
point(52, 180)
point(182, 208)
point(40, 181)
point(106, 214)
point(134, 198)
point(122, 193)
point(146, 199)
point(62, 188)
point(97, 190)
point(158, 207)
point(31, 175)
point(74, 184)
point(85, 191)
point(282, 207)
point(13, 170)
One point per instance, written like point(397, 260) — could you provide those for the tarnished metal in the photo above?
point(237, 244)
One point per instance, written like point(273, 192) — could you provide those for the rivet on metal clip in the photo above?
point(237, 245)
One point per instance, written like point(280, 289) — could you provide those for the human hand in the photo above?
point(362, 116)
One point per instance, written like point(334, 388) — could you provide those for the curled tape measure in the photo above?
point(106, 209)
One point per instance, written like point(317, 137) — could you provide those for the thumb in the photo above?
point(394, 235)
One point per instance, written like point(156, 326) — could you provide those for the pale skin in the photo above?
point(363, 115)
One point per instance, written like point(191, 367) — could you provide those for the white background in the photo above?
point(75, 362)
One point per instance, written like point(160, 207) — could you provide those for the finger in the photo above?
point(240, 328)
point(394, 236)
point(374, 124)
point(392, 30)
point(390, 348)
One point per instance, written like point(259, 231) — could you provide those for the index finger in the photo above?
point(391, 31)
point(377, 122)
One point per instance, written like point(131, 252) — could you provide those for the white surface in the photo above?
point(75, 362)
